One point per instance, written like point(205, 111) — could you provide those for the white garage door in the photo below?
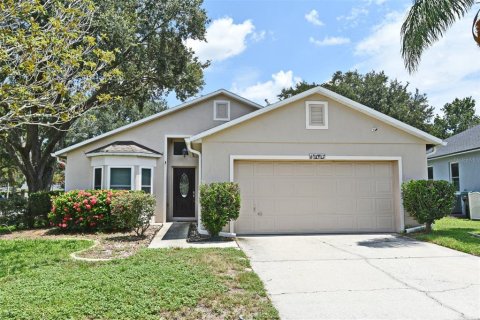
point(315, 197)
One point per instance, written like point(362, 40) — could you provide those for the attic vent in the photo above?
point(221, 110)
point(316, 115)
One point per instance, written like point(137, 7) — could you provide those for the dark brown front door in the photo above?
point(183, 192)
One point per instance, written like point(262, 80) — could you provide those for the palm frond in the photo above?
point(425, 23)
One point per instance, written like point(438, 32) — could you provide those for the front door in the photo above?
point(183, 192)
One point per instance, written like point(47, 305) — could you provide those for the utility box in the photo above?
point(474, 205)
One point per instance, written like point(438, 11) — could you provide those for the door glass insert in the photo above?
point(184, 185)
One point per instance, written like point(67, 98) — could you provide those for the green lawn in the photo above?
point(454, 233)
point(38, 280)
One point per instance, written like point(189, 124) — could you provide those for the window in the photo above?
point(97, 178)
point(146, 180)
point(430, 173)
point(221, 110)
point(121, 178)
point(316, 115)
point(178, 148)
point(455, 175)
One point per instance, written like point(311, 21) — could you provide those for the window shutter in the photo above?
point(317, 115)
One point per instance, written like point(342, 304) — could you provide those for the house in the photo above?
point(316, 162)
point(458, 162)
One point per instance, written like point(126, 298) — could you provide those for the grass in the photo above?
point(39, 281)
point(454, 233)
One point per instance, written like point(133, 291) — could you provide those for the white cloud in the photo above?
point(313, 18)
point(268, 89)
point(329, 41)
point(355, 14)
point(259, 36)
point(225, 39)
point(449, 69)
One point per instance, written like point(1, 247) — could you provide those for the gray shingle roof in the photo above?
point(464, 141)
point(125, 147)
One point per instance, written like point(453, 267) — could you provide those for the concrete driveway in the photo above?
point(365, 277)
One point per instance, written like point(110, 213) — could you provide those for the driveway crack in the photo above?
point(426, 293)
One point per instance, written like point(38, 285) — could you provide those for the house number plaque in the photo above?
point(316, 156)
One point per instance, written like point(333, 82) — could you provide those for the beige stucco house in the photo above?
point(316, 162)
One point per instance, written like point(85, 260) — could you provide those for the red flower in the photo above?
point(66, 209)
point(85, 201)
point(78, 209)
point(88, 207)
point(80, 219)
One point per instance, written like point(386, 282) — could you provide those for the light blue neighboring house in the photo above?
point(458, 162)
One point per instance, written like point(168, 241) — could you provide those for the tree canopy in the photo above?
point(144, 41)
point(51, 67)
point(458, 116)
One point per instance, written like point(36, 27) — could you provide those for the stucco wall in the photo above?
point(469, 167)
point(188, 121)
point(282, 132)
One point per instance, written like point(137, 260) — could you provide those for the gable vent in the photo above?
point(317, 115)
point(221, 110)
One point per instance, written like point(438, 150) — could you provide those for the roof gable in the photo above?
point(331, 95)
point(159, 115)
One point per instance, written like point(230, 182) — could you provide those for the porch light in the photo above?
point(185, 152)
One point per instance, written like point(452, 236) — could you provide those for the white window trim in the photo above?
point(215, 117)
point(93, 180)
point(451, 176)
point(132, 176)
point(151, 178)
point(307, 114)
point(433, 176)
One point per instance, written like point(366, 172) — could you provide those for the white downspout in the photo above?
point(199, 208)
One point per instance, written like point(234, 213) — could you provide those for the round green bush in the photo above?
point(220, 203)
point(427, 200)
point(133, 210)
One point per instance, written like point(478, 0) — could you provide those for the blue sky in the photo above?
point(259, 47)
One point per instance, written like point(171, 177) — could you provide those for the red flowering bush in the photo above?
point(82, 210)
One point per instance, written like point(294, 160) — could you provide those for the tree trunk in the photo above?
point(428, 227)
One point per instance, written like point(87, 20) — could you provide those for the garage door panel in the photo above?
point(324, 170)
point(363, 170)
point(346, 187)
point(305, 169)
point(311, 197)
point(263, 169)
point(344, 169)
point(247, 187)
point(385, 223)
point(264, 224)
point(292, 206)
point(365, 205)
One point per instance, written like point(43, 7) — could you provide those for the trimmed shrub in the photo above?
point(220, 202)
point(133, 210)
point(39, 205)
point(428, 201)
point(12, 211)
point(82, 210)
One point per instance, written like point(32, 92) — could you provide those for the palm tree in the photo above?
point(427, 21)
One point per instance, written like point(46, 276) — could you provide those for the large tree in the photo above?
point(458, 116)
point(426, 23)
point(377, 91)
point(147, 38)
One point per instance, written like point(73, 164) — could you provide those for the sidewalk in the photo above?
point(174, 235)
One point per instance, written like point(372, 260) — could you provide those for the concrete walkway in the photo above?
point(174, 235)
point(365, 277)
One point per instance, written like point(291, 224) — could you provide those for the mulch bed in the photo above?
point(111, 245)
point(194, 236)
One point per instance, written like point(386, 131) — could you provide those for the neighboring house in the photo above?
point(458, 162)
point(315, 162)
